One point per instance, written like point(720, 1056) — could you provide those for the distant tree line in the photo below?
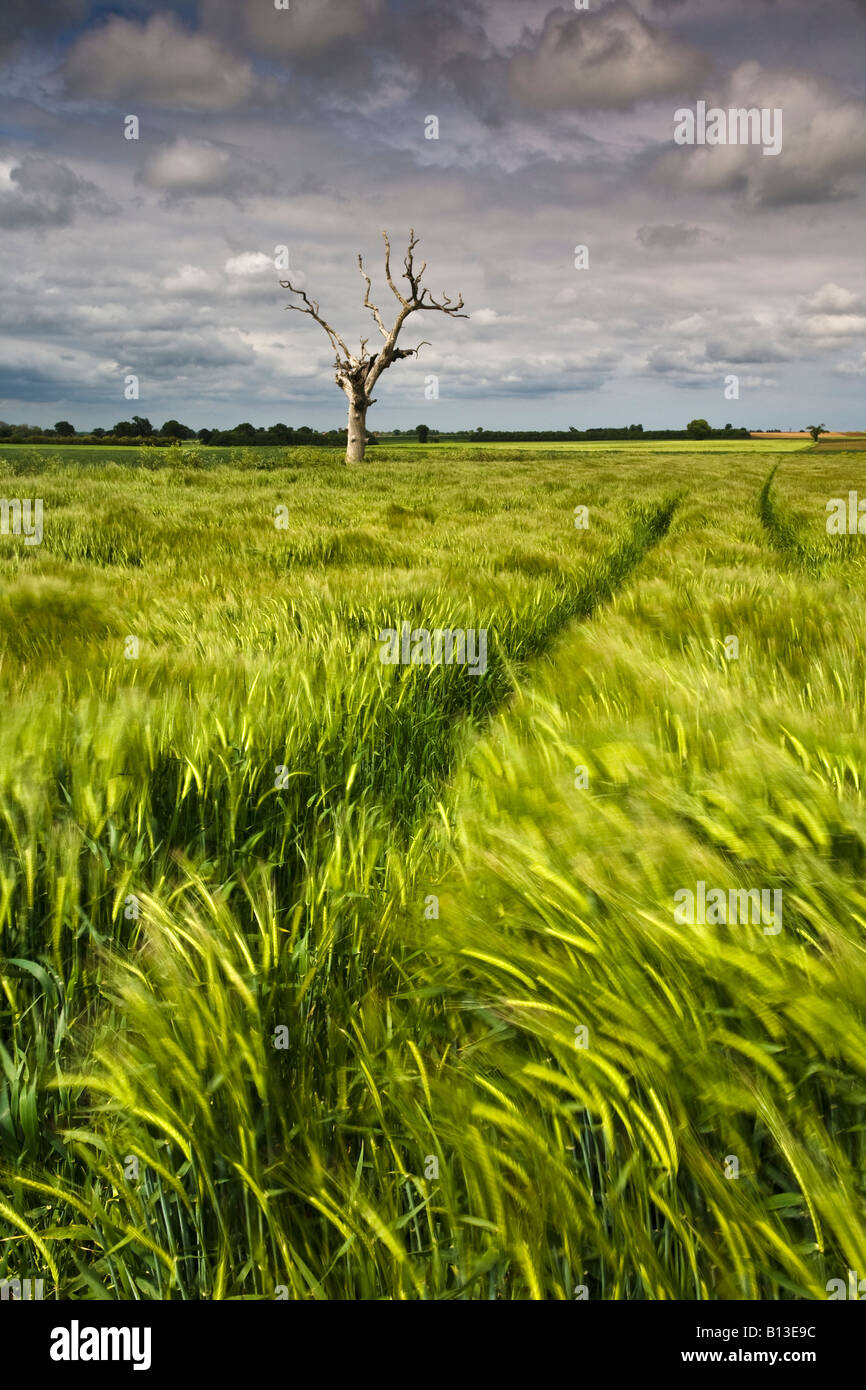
point(139, 430)
point(695, 429)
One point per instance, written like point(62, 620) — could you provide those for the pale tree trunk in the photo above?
point(357, 440)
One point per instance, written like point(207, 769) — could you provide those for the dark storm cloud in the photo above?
point(43, 192)
point(158, 63)
point(21, 20)
point(305, 27)
point(823, 149)
point(672, 6)
point(667, 236)
point(745, 347)
point(606, 58)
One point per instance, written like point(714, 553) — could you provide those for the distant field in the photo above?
point(675, 446)
point(21, 457)
point(364, 981)
point(844, 442)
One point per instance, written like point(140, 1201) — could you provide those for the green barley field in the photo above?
point(323, 978)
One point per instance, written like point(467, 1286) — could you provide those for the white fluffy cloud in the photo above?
point(833, 299)
point(832, 326)
point(188, 280)
point(191, 168)
point(248, 263)
point(485, 318)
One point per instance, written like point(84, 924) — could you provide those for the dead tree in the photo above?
point(357, 375)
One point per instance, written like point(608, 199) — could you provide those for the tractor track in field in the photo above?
point(782, 531)
point(479, 702)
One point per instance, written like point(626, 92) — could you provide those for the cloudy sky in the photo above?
point(308, 127)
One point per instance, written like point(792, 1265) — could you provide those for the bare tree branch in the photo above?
point(408, 352)
point(409, 272)
point(447, 305)
point(388, 275)
point(312, 309)
point(367, 303)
